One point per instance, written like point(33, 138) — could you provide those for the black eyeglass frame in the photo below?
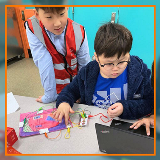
point(102, 65)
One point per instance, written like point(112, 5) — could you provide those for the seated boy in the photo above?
point(115, 81)
point(59, 48)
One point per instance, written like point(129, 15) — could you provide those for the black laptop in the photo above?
point(113, 140)
point(126, 126)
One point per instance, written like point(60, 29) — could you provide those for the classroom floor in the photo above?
point(23, 78)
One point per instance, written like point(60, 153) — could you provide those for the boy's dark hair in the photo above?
point(152, 75)
point(112, 39)
point(48, 2)
point(50, 9)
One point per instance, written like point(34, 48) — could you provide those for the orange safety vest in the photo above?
point(65, 67)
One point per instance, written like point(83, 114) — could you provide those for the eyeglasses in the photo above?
point(109, 66)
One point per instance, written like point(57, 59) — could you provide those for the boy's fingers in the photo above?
point(108, 113)
point(71, 110)
point(112, 109)
point(113, 112)
point(56, 115)
point(39, 100)
point(152, 123)
point(111, 116)
point(113, 106)
point(148, 129)
point(138, 124)
point(134, 124)
point(66, 118)
point(60, 117)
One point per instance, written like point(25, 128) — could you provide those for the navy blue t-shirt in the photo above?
point(109, 90)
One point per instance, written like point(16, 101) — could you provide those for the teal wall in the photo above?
point(139, 20)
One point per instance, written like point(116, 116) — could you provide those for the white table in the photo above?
point(81, 141)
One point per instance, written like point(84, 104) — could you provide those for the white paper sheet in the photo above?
point(12, 104)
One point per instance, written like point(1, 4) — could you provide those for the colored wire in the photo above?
point(67, 135)
point(78, 112)
point(96, 115)
point(76, 124)
point(88, 111)
point(54, 137)
point(100, 117)
point(80, 108)
point(105, 121)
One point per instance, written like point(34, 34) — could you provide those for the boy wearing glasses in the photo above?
point(115, 81)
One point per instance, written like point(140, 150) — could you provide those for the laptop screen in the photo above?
point(117, 141)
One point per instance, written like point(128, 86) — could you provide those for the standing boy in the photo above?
point(59, 48)
point(115, 81)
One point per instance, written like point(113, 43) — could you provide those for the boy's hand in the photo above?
point(39, 99)
point(78, 100)
point(147, 121)
point(115, 110)
point(63, 110)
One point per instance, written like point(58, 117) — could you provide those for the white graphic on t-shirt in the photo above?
point(117, 92)
point(125, 89)
point(108, 99)
point(103, 94)
point(103, 103)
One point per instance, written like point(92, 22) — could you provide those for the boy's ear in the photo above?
point(95, 56)
point(67, 8)
point(36, 14)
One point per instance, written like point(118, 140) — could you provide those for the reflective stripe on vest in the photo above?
point(37, 29)
point(61, 66)
point(65, 81)
point(78, 35)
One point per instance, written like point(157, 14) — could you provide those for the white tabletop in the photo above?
point(81, 141)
